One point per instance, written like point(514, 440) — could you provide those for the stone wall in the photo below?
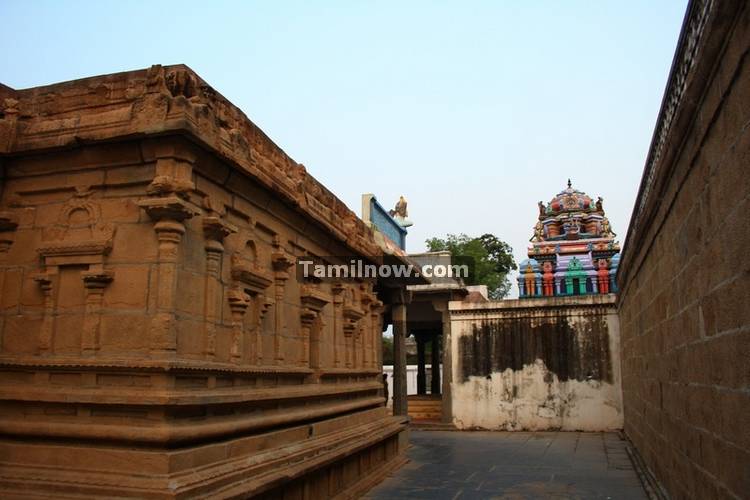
point(536, 364)
point(155, 340)
point(685, 274)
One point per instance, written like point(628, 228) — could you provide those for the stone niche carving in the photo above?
point(80, 239)
point(246, 271)
point(352, 315)
point(312, 302)
point(250, 282)
point(80, 236)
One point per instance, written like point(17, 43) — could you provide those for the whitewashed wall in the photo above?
point(487, 394)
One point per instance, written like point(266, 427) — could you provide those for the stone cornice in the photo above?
point(540, 304)
point(166, 100)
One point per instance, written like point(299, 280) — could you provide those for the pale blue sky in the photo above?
point(472, 110)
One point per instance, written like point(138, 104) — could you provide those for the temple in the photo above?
point(155, 339)
point(573, 250)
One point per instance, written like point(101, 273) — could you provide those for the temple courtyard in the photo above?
point(514, 465)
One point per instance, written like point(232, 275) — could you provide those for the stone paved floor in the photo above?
point(513, 465)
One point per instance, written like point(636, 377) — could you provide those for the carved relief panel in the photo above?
point(73, 277)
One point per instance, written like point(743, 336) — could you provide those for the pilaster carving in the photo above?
point(94, 282)
point(214, 230)
point(281, 264)
point(376, 329)
point(8, 225)
point(168, 214)
point(312, 301)
point(238, 304)
point(251, 281)
point(338, 303)
point(352, 316)
point(47, 282)
point(367, 298)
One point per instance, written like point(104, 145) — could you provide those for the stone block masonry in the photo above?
point(685, 275)
point(154, 341)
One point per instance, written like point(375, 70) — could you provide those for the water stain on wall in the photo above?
point(572, 351)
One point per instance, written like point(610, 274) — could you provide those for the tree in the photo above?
point(490, 260)
point(387, 350)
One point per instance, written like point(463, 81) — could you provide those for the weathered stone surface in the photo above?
point(536, 364)
point(684, 276)
point(154, 341)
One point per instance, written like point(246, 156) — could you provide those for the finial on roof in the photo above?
point(569, 183)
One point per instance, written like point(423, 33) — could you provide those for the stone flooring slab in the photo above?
point(513, 465)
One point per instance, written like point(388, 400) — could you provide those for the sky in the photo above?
point(474, 111)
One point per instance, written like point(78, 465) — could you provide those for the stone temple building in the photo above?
point(156, 341)
point(573, 250)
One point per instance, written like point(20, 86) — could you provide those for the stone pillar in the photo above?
point(446, 342)
point(398, 317)
point(435, 362)
point(214, 230)
point(238, 304)
point(376, 337)
point(47, 282)
point(281, 265)
point(168, 213)
point(421, 371)
point(338, 305)
point(8, 225)
point(94, 281)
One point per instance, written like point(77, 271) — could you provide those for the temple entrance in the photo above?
point(427, 398)
point(426, 405)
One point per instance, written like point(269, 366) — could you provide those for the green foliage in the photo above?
point(491, 259)
point(387, 350)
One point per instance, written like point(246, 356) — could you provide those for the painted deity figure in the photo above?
point(606, 228)
point(538, 232)
point(530, 280)
point(548, 279)
point(602, 275)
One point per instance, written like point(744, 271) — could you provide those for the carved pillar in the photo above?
point(338, 305)
point(47, 282)
point(238, 303)
point(168, 213)
point(446, 343)
point(376, 328)
point(421, 371)
point(8, 225)
point(348, 334)
point(352, 315)
point(366, 327)
point(281, 264)
point(214, 230)
point(435, 362)
point(94, 282)
point(398, 317)
point(264, 304)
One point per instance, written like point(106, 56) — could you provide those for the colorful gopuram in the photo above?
point(573, 250)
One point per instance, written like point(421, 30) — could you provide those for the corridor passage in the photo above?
point(513, 465)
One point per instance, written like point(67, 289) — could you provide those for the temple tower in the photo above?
point(573, 250)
